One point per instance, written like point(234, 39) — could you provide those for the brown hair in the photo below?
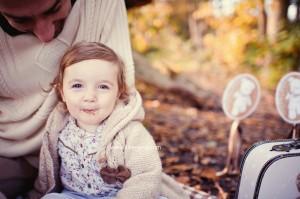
point(91, 50)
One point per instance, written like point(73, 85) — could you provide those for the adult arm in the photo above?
point(106, 22)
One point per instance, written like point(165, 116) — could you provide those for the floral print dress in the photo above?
point(80, 170)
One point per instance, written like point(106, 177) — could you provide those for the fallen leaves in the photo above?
point(193, 141)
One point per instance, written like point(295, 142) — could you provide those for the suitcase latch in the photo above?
point(286, 147)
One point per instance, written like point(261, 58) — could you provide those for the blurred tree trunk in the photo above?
point(276, 17)
point(298, 11)
point(196, 31)
point(179, 84)
point(276, 12)
point(262, 19)
point(285, 7)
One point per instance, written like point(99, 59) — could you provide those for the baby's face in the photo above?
point(90, 91)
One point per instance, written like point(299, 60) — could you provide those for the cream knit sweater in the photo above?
point(27, 67)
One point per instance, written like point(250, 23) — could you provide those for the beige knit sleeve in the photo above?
point(142, 158)
point(105, 21)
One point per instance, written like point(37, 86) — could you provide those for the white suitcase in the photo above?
point(269, 170)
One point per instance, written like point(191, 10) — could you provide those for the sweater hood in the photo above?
point(122, 115)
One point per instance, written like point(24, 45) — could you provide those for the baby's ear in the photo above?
point(61, 94)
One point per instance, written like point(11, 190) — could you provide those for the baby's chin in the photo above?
point(89, 128)
point(89, 124)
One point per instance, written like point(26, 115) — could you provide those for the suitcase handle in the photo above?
point(287, 147)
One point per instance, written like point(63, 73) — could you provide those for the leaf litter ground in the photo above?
point(192, 139)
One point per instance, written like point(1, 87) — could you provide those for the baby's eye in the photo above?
point(77, 85)
point(103, 86)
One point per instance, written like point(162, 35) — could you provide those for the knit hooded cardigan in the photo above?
point(125, 142)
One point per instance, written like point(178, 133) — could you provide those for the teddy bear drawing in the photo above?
point(242, 97)
point(293, 97)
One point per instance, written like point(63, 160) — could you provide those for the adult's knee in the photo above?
point(2, 196)
point(17, 177)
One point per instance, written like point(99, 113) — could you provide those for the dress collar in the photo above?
point(74, 125)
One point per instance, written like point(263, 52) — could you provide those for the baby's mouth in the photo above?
point(89, 111)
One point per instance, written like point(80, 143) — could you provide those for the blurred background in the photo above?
point(185, 53)
point(222, 37)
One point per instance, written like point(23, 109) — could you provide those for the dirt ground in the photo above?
point(193, 139)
